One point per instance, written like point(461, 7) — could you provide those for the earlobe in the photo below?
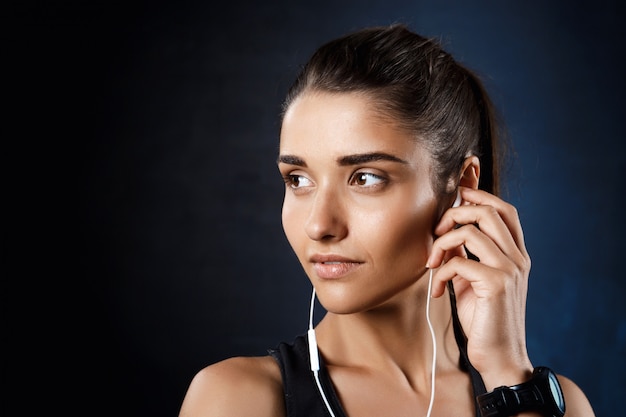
point(470, 173)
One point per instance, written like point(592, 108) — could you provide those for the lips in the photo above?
point(333, 267)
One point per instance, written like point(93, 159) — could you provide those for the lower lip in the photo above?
point(334, 271)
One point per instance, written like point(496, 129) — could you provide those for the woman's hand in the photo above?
point(491, 292)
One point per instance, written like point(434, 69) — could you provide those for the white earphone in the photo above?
point(314, 353)
point(457, 200)
point(314, 356)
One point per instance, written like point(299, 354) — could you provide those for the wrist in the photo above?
point(507, 365)
point(506, 376)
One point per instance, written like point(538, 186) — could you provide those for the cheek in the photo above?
point(292, 224)
point(400, 236)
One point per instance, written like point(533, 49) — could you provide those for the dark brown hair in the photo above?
point(413, 80)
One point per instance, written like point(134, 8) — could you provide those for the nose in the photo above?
point(326, 220)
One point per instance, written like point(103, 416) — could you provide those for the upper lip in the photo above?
point(321, 258)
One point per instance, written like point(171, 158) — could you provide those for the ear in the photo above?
point(470, 173)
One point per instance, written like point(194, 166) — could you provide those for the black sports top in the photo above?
point(302, 398)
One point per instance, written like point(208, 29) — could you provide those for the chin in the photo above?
point(346, 301)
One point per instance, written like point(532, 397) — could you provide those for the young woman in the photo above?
point(388, 150)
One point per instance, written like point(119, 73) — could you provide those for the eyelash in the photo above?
point(293, 180)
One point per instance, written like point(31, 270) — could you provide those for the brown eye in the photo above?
point(367, 179)
point(297, 181)
point(361, 179)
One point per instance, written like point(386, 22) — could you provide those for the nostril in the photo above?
point(326, 220)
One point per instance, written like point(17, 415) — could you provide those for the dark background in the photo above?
point(143, 241)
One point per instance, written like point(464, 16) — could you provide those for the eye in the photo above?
point(296, 181)
point(366, 179)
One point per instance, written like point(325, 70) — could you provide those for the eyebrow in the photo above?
point(291, 160)
point(347, 160)
point(361, 158)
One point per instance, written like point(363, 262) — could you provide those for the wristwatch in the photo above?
point(542, 393)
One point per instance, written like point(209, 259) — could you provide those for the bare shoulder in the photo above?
point(240, 386)
point(576, 402)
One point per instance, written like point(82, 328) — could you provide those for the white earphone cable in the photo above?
point(314, 353)
point(314, 357)
point(432, 334)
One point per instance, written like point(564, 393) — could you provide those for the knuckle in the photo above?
point(492, 211)
point(526, 263)
point(510, 210)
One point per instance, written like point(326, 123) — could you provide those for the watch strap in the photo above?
point(541, 393)
point(508, 401)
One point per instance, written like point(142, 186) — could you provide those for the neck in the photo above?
point(394, 336)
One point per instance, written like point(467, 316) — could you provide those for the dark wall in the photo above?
point(146, 202)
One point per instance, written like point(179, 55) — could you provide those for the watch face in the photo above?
point(555, 387)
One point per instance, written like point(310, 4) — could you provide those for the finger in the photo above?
point(484, 280)
point(490, 220)
point(457, 251)
point(508, 212)
point(472, 238)
point(489, 223)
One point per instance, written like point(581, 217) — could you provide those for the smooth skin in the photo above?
point(363, 219)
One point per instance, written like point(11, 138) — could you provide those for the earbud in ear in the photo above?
point(457, 202)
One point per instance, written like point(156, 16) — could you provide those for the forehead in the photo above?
point(343, 123)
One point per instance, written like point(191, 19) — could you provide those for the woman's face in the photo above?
point(359, 207)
